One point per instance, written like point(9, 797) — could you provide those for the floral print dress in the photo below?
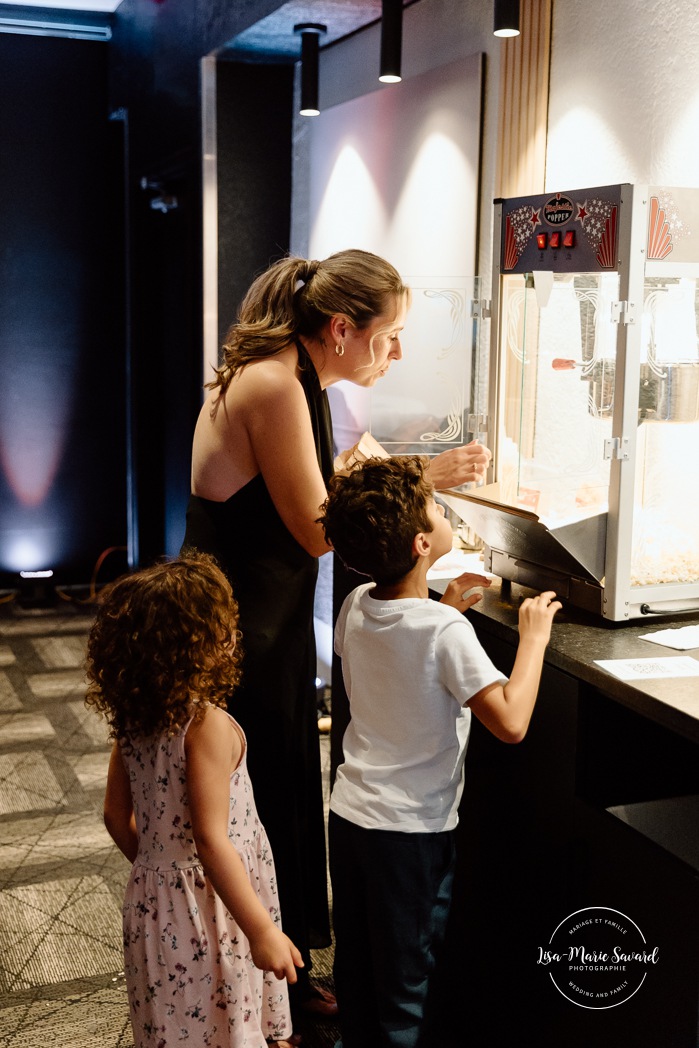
point(189, 973)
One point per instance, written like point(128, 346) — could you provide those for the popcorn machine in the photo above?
point(593, 400)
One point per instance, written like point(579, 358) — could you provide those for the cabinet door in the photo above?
point(517, 857)
point(531, 852)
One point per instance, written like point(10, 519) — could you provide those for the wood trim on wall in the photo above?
point(523, 103)
point(521, 158)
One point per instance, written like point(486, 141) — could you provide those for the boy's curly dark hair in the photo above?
point(372, 516)
point(164, 642)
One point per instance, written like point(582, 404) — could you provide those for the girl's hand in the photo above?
point(457, 466)
point(273, 951)
point(536, 615)
point(455, 591)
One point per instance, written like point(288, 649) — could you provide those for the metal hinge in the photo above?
point(616, 448)
point(477, 423)
point(623, 313)
point(480, 308)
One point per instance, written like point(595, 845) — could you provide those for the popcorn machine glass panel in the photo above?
point(428, 403)
point(665, 538)
point(558, 393)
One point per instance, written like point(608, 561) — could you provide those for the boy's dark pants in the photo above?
point(391, 898)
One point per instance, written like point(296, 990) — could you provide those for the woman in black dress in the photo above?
point(261, 458)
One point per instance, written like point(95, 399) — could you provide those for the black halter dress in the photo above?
point(273, 580)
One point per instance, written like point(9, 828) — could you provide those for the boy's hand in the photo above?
point(536, 615)
point(458, 587)
point(273, 951)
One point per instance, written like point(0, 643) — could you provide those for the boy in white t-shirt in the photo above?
point(414, 671)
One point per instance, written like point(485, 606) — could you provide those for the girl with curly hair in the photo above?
point(205, 955)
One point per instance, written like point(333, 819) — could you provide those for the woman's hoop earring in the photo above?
point(340, 349)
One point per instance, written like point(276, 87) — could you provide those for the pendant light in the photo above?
point(506, 21)
point(310, 36)
point(391, 40)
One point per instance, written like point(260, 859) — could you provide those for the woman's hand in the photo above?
point(458, 588)
point(458, 466)
point(273, 951)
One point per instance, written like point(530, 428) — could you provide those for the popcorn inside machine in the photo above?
point(593, 400)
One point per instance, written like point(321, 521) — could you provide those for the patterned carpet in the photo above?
point(61, 878)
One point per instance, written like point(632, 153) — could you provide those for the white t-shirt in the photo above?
point(410, 667)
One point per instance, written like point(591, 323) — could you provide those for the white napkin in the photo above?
point(648, 669)
point(682, 637)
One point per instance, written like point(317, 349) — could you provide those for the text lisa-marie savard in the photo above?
point(615, 959)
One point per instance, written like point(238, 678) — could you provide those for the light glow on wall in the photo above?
point(35, 416)
point(422, 231)
point(33, 425)
point(26, 550)
point(396, 172)
point(584, 150)
point(629, 113)
point(350, 211)
point(681, 158)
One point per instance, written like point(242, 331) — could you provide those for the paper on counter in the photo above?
point(456, 563)
point(650, 669)
point(681, 637)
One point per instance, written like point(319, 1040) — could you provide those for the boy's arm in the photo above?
point(118, 807)
point(506, 710)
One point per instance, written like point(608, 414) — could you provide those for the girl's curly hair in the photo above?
point(164, 643)
point(372, 515)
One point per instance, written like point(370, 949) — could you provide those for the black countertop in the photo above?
point(578, 639)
